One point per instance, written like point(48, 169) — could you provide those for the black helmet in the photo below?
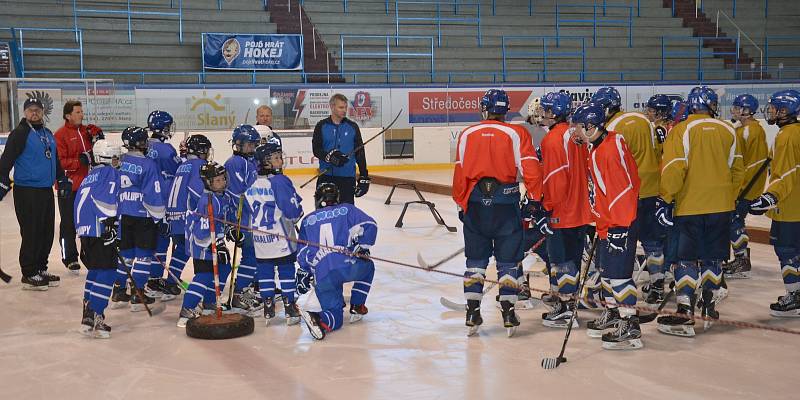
point(198, 145)
point(135, 138)
point(209, 171)
point(326, 195)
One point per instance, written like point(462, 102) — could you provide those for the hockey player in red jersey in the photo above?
point(566, 200)
point(491, 156)
point(616, 182)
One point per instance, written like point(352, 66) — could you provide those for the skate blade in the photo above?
point(292, 321)
point(35, 288)
point(182, 322)
point(472, 330)
point(75, 272)
point(738, 275)
point(631, 344)
point(85, 330)
point(167, 297)
point(560, 324)
point(252, 313)
point(596, 333)
point(355, 318)
point(267, 321)
point(511, 330)
point(522, 305)
point(682, 331)
point(785, 314)
point(315, 331)
point(101, 335)
point(53, 283)
point(116, 305)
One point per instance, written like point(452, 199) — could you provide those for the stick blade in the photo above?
point(452, 305)
point(552, 362)
point(421, 261)
point(5, 277)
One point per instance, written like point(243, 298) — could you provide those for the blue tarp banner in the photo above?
point(248, 51)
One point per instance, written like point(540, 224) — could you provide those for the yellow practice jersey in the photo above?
point(640, 136)
point(784, 181)
point(702, 166)
point(753, 140)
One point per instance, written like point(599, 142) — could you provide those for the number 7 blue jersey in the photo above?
point(187, 187)
point(96, 200)
point(275, 207)
point(341, 226)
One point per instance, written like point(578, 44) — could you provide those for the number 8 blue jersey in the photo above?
point(96, 200)
point(140, 188)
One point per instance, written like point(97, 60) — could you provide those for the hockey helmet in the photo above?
point(135, 138)
point(703, 99)
point(160, 123)
point(495, 101)
point(209, 173)
point(326, 195)
point(106, 153)
point(679, 112)
point(242, 136)
point(264, 157)
point(658, 106)
point(559, 103)
point(198, 145)
point(607, 97)
point(788, 100)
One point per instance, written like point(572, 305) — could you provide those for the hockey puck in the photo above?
point(229, 326)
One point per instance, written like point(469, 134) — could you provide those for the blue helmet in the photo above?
point(788, 99)
point(746, 101)
point(703, 98)
point(160, 123)
point(559, 103)
point(661, 103)
point(607, 97)
point(495, 101)
point(589, 114)
point(263, 154)
point(134, 138)
point(679, 112)
point(243, 134)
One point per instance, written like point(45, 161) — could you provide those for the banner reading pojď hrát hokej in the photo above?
point(252, 52)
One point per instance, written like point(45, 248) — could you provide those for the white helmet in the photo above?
point(535, 111)
point(105, 151)
point(265, 133)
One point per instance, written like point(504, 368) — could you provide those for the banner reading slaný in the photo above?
point(245, 51)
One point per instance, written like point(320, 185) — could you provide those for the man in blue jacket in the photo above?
point(31, 151)
point(335, 142)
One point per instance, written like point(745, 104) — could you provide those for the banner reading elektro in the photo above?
point(252, 52)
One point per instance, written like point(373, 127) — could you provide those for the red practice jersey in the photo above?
point(494, 149)
point(566, 182)
point(616, 183)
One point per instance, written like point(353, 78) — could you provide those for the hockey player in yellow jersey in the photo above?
point(639, 134)
point(781, 200)
point(702, 175)
point(753, 139)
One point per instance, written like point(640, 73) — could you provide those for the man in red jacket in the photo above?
point(74, 142)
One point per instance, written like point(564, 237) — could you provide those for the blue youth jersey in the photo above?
point(198, 226)
point(242, 173)
point(166, 157)
point(187, 187)
point(96, 200)
point(342, 226)
point(276, 207)
point(140, 188)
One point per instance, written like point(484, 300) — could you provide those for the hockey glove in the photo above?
point(617, 240)
point(5, 187)
point(742, 208)
point(661, 134)
point(63, 187)
point(304, 281)
point(360, 251)
point(664, 213)
point(223, 254)
point(109, 231)
point(543, 222)
point(362, 186)
point(234, 235)
point(95, 133)
point(529, 208)
point(85, 158)
point(336, 157)
point(163, 228)
point(763, 203)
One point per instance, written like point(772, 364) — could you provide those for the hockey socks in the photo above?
point(101, 290)
point(87, 288)
point(178, 260)
point(140, 271)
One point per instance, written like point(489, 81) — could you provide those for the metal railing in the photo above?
point(739, 34)
point(595, 20)
point(773, 40)
point(700, 8)
point(130, 13)
point(388, 53)
point(438, 19)
point(696, 53)
point(546, 54)
point(18, 34)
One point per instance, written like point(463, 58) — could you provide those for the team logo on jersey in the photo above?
point(230, 50)
point(361, 107)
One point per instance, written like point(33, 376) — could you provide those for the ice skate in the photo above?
point(560, 315)
point(627, 336)
point(357, 312)
point(211, 308)
point(187, 314)
point(474, 319)
point(119, 297)
point(157, 289)
point(656, 294)
point(678, 325)
point(292, 312)
point(313, 323)
point(708, 310)
point(74, 268)
point(35, 282)
point(738, 268)
point(100, 330)
point(245, 303)
point(87, 320)
point(137, 303)
point(787, 306)
point(607, 320)
point(52, 280)
point(510, 319)
point(269, 310)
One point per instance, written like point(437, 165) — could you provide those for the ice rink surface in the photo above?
point(407, 347)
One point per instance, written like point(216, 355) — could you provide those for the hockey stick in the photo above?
point(133, 282)
point(643, 319)
point(183, 285)
point(753, 180)
point(424, 264)
point(322, 172)
point(235, 248)
point(554, 362)
point(4, 276)
point(215, 262)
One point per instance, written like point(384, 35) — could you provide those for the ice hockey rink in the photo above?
point(407, 347)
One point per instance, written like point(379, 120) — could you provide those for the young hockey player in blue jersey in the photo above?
point(95, 222)
point(199, 238)
point(276, 207)
point(186, 190)
point(335, 226)
point(166, 157)
point(242, 172)
point(141, 206)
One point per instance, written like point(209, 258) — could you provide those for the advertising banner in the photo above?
point(252, 52)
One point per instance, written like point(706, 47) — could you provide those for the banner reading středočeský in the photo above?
point(252, 52)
